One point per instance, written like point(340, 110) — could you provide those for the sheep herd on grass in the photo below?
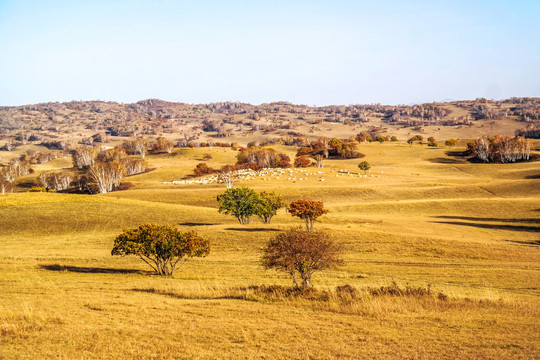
point(269, 174)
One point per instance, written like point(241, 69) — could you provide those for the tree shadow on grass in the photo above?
point(195, 224)
point(525, 243)
point(92, 270)
point(492, 226)
point(192, 297)
point(441, 160)
point(528, 220)
point(252, 229)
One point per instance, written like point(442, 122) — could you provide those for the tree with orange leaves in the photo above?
point(308, 210)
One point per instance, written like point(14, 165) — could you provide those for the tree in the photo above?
point(241, 202)
point(228, 175)
point(302, 161)
point(365, 166)
point(202, 169)
point(307, 210)
point(162, 145)
point(83, 158)
point(450, 142)
point(163, 247)
point(57, 181)
point(5, 185)
point(394, 138)
point(106, 176)
point(299, 252)
point(271, 203)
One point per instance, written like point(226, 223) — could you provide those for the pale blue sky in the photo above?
point(308, 52)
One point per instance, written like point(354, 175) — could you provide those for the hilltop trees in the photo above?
point(263, 157)
point(162, 247)
point(307, 210)
point(301, 253)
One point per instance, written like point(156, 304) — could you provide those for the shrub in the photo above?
point(450, 142)
point(302, 253)
point(202, 169)
point(162, 247)
point(302, 161)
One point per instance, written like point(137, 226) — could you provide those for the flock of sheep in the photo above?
point(268, 174)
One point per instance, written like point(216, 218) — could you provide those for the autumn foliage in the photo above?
point(301, 253)
point(307, 210)
point(162, 247)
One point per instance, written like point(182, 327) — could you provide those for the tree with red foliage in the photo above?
point(302, 161)
point(307, 210)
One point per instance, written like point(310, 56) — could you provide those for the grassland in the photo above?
point(471, 231)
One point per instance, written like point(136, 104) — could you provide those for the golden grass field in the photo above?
point(471, 231)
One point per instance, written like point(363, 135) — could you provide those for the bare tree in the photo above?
point(228, 175)
point(57, 181)
point(106, 176)
point(83, 158)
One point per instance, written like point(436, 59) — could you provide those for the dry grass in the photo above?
point(468, 230)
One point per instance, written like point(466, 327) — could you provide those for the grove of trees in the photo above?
point(500, 149)
point(243, 203)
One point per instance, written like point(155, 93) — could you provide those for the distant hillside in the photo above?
point(87, 122)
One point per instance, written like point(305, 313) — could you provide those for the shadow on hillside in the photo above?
point(460, 154)
point(492, 226)
point(183, 296)
point(91, 270)
point(195, 224)
point(533, 177)
point(529, 220)
point(441, 160)
point(525, 243)
point(252, 229)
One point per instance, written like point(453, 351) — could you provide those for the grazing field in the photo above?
point(471, 232)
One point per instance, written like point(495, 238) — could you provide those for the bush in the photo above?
point(302, 161)
point(302, 253)
point(162, 247)
point(450, 142)
point(40, 189)
point(202, 169)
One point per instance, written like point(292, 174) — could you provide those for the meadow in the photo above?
point(422, 217)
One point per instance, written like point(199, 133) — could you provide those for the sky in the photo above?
point(313, 52)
